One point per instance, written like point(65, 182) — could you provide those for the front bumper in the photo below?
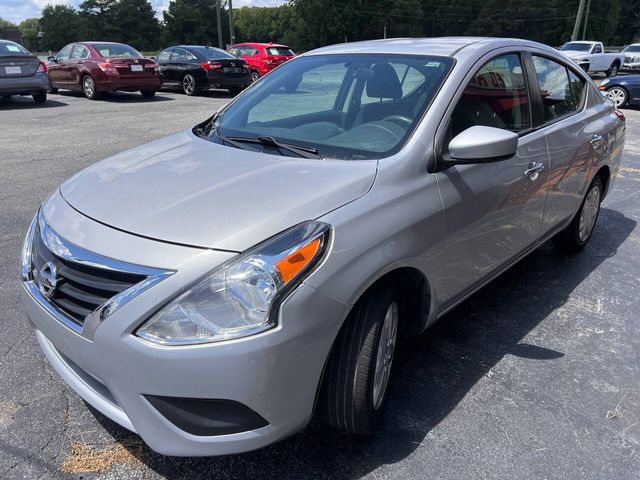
point(274, 374)
point(633, 67)
point(24, 85)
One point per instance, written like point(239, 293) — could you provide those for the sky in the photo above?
point(17, 10)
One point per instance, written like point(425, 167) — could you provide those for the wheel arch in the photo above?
point(605, 175)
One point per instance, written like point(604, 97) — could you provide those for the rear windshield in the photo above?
point(12, 49)
point(280, 51)
point(211, 53)
point(116, 50)
point(632, 48)
point(576, 47)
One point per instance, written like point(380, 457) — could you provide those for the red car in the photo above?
point(261, 57)
point(96, 67)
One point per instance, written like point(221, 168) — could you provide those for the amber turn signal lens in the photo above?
point(602, 87)
point(292, 264)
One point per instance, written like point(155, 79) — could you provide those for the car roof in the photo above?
point(258, 44)
point(438, 46)
point(96, 42)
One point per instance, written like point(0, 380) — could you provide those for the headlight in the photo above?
point(240, 297)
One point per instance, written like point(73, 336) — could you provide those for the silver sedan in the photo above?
point(213, 289)
point(22, 73)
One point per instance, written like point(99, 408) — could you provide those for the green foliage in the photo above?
point(193, 22)
point(29, 30)
point(136, 24)
point(4, 24)
point(60, 25)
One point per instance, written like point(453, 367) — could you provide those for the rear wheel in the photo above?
point(618, 95)
point(576, 236)
point(255, 75)
point(189, 86)
point(40, 97)
point(148, 93)
point(89, 88)
point(357, 373)
point(613, 70)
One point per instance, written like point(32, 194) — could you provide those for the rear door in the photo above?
point(493, 211)
point(576, 136)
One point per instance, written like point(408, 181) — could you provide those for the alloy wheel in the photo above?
point(589, 213)
point(88, 86)
point(384, 358)
point(189, 84)
point(254, 76)
point(618, 95)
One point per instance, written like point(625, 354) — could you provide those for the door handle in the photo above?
point(534, 170)
point(597, 141)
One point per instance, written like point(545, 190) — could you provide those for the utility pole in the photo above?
point(219, 24)
point(576, 26)
point(586, 20)
point(232, 34)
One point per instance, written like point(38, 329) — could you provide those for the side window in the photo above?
point(233, 51)
point(180, 55)
point(496, 96)
point(597, 49)
point(79, 52)
point(65, 52)
point(562, 90)
point(164, 56)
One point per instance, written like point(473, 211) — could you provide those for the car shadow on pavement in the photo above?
point(118, 97)
point(201, 94)
point(28, 103)
point(432, 372)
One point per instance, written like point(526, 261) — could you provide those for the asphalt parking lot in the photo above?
point(537, 376)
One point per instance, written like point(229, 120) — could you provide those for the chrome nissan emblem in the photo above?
point(47, 279)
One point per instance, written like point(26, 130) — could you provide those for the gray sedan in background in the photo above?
point(22, 73)
point(214, 289)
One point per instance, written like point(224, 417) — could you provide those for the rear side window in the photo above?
point(562, 90)
point(79, 52)
point(496, 96)
point(279, 51)
point(180, 55)
point(248, 51)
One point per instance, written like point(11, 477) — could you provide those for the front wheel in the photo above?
point(359, 367)
point(576, 236)
point(40, 97)
point(89, 88)
point(618, 95)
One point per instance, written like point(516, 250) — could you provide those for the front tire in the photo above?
point(89, 88)
point(576, 236)
point(619, 96)
point(40, 97)
point(359, 367)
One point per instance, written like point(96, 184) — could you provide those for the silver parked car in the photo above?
point(213, 289)
point(22, 73)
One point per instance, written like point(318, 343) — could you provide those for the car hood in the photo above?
point(186, 190)
point(575, 53)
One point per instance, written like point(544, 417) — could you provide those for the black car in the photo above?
point(623, 90)
point(195, 68)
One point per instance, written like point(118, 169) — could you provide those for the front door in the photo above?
point(493, 211)
point(58, 68)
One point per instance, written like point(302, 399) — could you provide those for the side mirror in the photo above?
point(479, 144)
point(51, 59)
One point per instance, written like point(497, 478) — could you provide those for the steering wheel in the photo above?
point(399, 119)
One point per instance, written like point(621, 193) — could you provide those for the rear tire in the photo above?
point(40, 97)
point(148, 93)
point(189, 85)
point(255, 75)
point(357, 372)
point(613, 70)
point(89, 88)
point(576, 236)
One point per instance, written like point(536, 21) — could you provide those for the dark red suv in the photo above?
point(261, 57)
point(96, 67)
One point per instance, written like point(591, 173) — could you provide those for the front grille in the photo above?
point(80, 289)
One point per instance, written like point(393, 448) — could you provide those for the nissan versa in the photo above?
point(213, 289)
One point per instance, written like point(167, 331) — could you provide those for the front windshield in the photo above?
point(117, 50)
point(632, 48)
point(576, 47)
point(352, 106)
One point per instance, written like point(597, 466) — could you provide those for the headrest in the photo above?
point(384, 83)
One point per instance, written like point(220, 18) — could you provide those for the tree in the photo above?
point(192, 21)
point(5, 24)
point(135, 23)
point(60, 25)
point(30, 30)
point(98, 19)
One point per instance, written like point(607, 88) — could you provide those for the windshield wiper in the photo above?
point(231, 141)
point(300, 150)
